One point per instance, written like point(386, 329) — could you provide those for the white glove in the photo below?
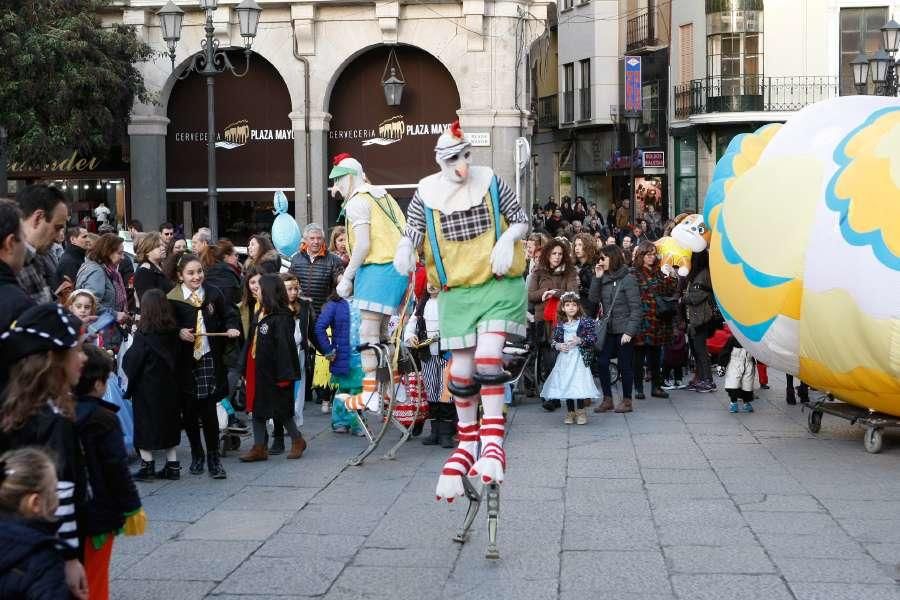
point(405, 258)
point(504, 250)
point(345, 287)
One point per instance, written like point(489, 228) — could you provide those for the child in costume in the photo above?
point(424, 326)
point(375, 225)
point(740, 373)
point(472, 226)
point(571, 379)
point(343, 321)
point(114, 502)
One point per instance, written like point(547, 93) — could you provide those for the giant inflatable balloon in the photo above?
point(285, 231)
point(805, 247)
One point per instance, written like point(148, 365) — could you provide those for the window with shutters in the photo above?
point(686, 45)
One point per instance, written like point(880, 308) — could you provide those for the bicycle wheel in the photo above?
point(613, 373)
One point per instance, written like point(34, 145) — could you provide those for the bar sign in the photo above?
point(633, 100)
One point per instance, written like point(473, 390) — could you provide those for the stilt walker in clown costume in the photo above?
point(471, 226)
point(375, 225)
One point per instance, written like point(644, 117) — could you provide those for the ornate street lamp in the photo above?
point(208, 62)
point(860, 66)
point(633, 120)
point(393, 85)
point(890, 36)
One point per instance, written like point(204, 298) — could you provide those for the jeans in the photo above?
point(614, 347)
point(651, 356)
point(701, 356)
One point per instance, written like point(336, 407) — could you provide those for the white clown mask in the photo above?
point(453, 154)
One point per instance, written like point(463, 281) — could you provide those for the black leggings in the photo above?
point(571, 405)
point(195, 413)
point(650, 355)
point(614, 347)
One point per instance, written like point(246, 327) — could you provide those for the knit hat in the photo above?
point(39, 329)
point(452, 142)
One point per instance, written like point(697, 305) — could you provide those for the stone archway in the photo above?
point(394, 143)
point(254, 148)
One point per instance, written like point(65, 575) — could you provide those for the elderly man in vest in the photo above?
point(374, 226)
point(471, 225)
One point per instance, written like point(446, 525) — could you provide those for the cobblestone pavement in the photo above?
point(679, 499)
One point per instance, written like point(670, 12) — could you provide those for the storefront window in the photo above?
point(686, 174)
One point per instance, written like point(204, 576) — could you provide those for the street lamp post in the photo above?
point(884, 71)
point(633, 121)
point(208, 62)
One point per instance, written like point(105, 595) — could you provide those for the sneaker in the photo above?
point(733, 407)
point(747, 408)
point(668, 384)
point(691, 386)
point(764, 386)
point(341, 429)
point(704, 387)
point(326, 407)
point(720, 371)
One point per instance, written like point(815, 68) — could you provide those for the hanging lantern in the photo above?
point(393, 85)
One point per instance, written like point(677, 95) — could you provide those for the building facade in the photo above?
point(313, 89)
point(739, 64)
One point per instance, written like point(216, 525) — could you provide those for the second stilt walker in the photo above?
point(471, 225)
point(375, 225)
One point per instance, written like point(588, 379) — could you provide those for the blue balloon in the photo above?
point(285, 231)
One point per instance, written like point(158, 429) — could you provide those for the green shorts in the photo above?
point(496, 306)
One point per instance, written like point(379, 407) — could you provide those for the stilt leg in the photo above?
point(493, 508)
point(474, 505)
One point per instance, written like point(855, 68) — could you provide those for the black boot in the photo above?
point(197, 461)
point(417, 428)
point(432, 439)
point(789, 397)
point(171, 471)
point(445, 434)
point(147, 472)
point(277, 445)
point(216, 470)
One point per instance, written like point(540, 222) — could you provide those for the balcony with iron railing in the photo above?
point(548, 112)
point(640, 32)
point(751, 93)
point(568, 106)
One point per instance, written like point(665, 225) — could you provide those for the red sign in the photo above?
point(655, 159)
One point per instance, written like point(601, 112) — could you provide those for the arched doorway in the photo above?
point(395, 144)
point(254, 149)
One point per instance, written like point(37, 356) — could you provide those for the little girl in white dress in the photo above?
point(571, 379)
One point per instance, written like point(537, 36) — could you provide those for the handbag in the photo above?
point(550, 310)
point(601, 324)
point(665, 305)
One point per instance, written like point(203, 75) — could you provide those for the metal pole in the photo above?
point(631, 182)
point(211, 158)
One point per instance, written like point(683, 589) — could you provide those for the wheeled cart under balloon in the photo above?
point(874, 422)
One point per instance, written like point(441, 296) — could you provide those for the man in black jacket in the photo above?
point(317, 269)
point(13, 299)
point(77, 242)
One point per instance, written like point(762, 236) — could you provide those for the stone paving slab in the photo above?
point(679, 500)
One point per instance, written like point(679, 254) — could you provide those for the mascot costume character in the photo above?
point(805, 248)
point(471, 226)
point(375, 225)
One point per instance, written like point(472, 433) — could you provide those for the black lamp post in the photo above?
point(210, 61)
point(633, 120)
point(881, 66)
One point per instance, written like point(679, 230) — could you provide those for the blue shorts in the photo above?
point(379, 288)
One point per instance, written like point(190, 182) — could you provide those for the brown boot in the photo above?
point(605, 406)
point(297, 448)
point(257, 453)
point(624, 407)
